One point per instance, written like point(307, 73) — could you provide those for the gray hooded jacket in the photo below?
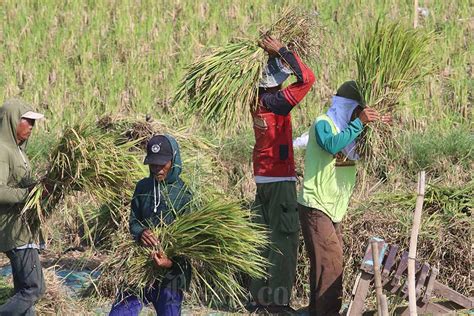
point(15, 178)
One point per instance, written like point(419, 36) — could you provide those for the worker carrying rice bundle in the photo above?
point(155, 202)
point(274, 170)
point(329, 180)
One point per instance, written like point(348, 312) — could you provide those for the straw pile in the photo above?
point(55, 301)
point(201, 161)
point(219, 240)
point(391, 59)
point(6, 290)
point(222, 86)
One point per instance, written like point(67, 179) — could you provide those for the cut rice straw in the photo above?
point(86, 159)
point(391, 58)
point(222, 87)
point(219, 240)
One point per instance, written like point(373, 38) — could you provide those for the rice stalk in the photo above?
point(298, 30)
point(391, 58)
point(219, 240)
point(222, 87)
point(86, 159)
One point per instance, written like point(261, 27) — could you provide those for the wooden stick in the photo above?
point(378, 280)
point(413, 241)
point(415, 14)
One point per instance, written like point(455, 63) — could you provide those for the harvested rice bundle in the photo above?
point(222, 87)
point(219, 240)
point(89, 160)
point(391, 59)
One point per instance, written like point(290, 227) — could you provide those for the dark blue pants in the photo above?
point(166, 301)
point(28, 282)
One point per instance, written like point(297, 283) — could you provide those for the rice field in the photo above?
point(80, 60)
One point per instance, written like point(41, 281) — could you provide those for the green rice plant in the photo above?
point(391, 58)
point(6, 290)
point(438, 151)
point(219, 239)
point(222, 86)
point(86, 159)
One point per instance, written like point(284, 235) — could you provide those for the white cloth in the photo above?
point(302, 141)
point(264, 179)
point(32, 246)
point(340, 113)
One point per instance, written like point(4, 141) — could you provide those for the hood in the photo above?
point(350, 90)
point(10, 115)
point(176, 166)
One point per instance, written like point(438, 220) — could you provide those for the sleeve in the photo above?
point(135, 225)
point(335, 143)
point(282, 102)
point(8, 194)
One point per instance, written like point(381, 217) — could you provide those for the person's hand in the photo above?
point(161, 260)
point(270, 45)
point(387, 119)
point(148, 239)
point(368, 115)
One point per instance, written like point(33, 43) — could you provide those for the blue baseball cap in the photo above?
point(158, 151)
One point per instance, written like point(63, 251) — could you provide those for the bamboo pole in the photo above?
point(413, 241)
point(415, 14)
point(382, 307)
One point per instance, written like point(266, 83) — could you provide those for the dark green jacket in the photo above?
point(173, 197)
point(15, 177)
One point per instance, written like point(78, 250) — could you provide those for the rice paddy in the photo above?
point(106, 73)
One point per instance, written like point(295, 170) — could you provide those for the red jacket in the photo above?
point(273, 151)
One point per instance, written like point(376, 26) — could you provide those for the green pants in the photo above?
point(276, 207)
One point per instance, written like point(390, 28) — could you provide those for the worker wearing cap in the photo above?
point(19, 241)
point(156, 201)
point(274, 171)
point(329, 180)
